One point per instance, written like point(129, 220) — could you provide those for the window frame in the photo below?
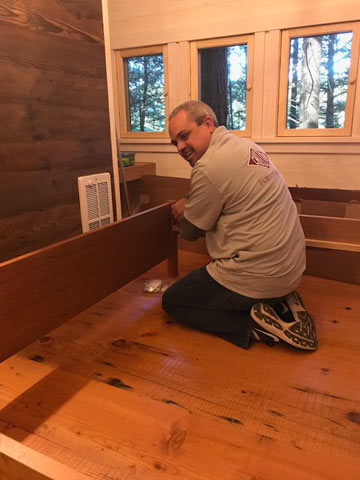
point(225, 42)
point(123, 99)
point(286, 36)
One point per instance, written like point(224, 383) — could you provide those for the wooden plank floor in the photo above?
point(122, 392)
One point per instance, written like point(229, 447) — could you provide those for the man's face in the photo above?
point(190, 139)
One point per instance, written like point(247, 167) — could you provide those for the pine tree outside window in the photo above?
point(317, 84)
point(222, 78)
point(142, 87)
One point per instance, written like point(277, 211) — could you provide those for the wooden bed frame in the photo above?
point(18, 462)
point(332, 247)
point(121, 391)
point(43, 289)
point(330, 219)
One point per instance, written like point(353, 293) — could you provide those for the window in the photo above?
point(221, 76)
point(143, 92)
point(317, 82)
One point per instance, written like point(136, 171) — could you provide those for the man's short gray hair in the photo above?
point(196, 111)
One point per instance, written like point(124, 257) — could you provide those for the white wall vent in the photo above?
point(95, 201)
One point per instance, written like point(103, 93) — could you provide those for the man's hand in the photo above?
point(178, 209)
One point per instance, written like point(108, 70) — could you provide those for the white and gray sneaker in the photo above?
point(261, 335)
point(293, 324)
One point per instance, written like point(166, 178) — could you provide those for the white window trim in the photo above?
point(225, 42)
point(283, 85)
point(123, 110)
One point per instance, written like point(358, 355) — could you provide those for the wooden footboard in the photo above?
point(41, 290)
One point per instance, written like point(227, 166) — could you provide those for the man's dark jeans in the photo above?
point(200, 302)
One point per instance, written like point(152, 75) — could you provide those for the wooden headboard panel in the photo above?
point(41, 290)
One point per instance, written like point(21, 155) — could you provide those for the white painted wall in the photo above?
point(306, 162)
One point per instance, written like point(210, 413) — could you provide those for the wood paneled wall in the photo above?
point(54, 117)
point(134, 24)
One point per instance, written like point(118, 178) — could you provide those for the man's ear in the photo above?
point(209, 123)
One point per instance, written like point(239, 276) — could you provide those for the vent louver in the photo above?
point(95, 201)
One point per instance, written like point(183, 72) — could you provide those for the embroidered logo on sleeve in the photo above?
point(257, 158)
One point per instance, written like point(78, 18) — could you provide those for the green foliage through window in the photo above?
point(145, 84)
point(223, 83)
point(318, 81)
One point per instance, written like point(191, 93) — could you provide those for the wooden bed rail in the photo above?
point(331, 229)
point(332, 247)
point(41, 290)
point(20, 462)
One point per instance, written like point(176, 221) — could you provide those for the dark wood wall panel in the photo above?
point(19, 158)
point(53, 115)
point(61, 221)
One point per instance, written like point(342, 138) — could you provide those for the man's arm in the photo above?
point(178, 208)
point(188, 231)
point(202, 206)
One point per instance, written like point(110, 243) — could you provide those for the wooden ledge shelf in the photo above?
point(136, 171)
point(346, 247)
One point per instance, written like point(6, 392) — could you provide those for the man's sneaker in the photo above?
point(298, 333)
point(300, 314)
point(262, 335)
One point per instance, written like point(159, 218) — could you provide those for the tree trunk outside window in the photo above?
point(145, 95)
point(310, 83)
point(293, 123)
point(214, 75)
point(329, 121)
